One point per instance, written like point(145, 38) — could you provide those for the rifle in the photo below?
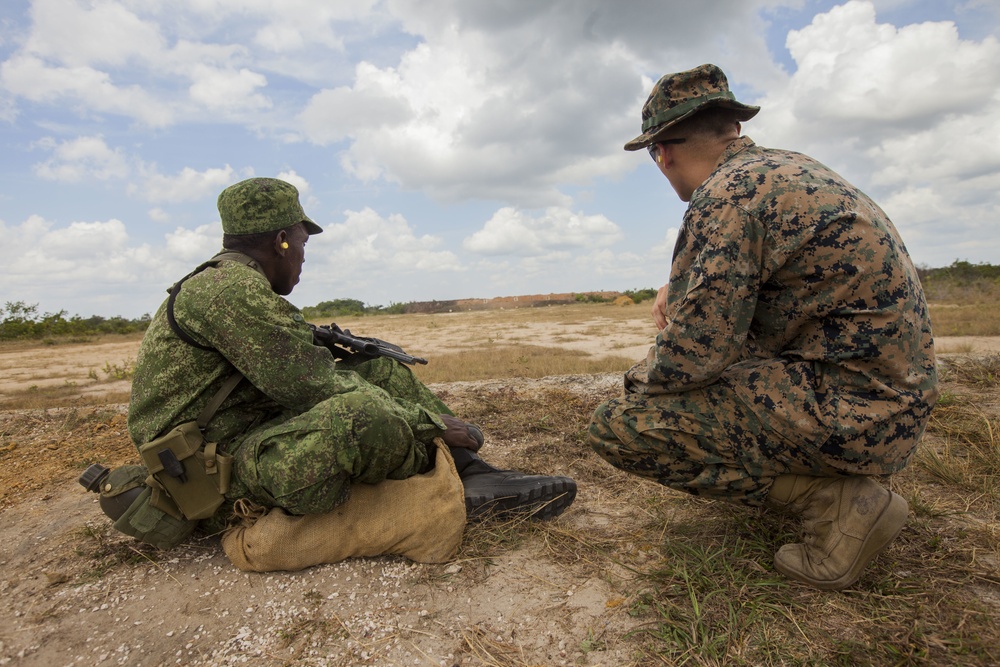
point(342, 343)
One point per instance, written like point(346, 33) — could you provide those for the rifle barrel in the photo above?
point(372, 347)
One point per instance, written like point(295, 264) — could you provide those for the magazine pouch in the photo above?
point(188, 477)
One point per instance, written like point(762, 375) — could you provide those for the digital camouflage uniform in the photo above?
point(301, 427)
point(797, 338)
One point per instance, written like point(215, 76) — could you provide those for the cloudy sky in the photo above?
point(459, 148)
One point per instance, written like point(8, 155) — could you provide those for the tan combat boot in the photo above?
point(846, 522)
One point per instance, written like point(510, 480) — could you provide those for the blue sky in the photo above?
point(459, 148)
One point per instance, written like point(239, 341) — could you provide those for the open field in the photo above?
point(631, 574)
point(584, 338)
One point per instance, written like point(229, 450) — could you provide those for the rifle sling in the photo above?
point(217, 400)
point(227, 388)
point(183, 335)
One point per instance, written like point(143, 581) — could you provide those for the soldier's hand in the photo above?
point(457, 434)
point(660, 309)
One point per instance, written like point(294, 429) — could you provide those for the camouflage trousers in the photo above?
point(704, 442)
point(305, 463)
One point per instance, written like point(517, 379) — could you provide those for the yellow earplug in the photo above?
point(284, 245)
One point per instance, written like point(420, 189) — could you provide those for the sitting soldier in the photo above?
point(303, 427)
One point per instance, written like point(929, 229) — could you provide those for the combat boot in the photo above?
point(846, 522)
point(490, 491)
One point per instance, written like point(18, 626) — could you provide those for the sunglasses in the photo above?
point(652, 147)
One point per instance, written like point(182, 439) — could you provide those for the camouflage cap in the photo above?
point(259, 205)
point(676, 97)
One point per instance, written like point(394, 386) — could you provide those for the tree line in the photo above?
point(961, 281)
point(20, 320)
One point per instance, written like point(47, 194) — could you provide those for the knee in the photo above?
point(376, 371)
point(601, 436)
point(363, 416)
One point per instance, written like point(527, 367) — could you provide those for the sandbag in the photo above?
point(421, 518)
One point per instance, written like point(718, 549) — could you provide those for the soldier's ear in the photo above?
point(281, 242)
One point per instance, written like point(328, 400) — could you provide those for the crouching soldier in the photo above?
point(794, 360)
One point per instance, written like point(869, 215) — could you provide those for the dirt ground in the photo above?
point(77, 593)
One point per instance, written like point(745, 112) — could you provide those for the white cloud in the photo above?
point(916, 206)
point(366, 239)
point(79, 252)
point(158, 215)
point(866, 81)
point(911, 114)
point(295, 25)
point(454, 126)
point(92, 90)
point(511, 231)
point(514, 101)
point(95, 239)
point(85, 158)
point(851, 68)
point(102, 33)
point(8, 109)
point(106, 58)
point(193, 246)
point(228, 90)
point(188, 185)
point(960, 146)
point(372, 104)
point(75, 160)
point(664, 250)
point(118, 275)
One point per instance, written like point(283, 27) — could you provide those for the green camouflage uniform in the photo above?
point(301, 427)
point(797, 339)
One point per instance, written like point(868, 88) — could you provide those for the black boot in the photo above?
point(493, 492)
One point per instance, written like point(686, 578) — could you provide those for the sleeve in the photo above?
point(711, 300)
point(266, 338)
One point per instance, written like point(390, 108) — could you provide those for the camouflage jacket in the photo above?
point(793, 287)
point(232, 309)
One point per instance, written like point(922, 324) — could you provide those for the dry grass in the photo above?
point(528, 361)
point(975, 319)
point(39, 446)
point(982, 372)
point(697, 576)
point(63, 396)
point(969, 456)
point(962, 347)
point(95, 392)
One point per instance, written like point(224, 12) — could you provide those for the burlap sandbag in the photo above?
point(421, 518)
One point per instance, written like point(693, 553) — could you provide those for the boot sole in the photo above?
point(540, 504)
point(886, 529)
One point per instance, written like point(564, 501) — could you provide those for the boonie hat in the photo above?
point(678, 96)
point(259, 205)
